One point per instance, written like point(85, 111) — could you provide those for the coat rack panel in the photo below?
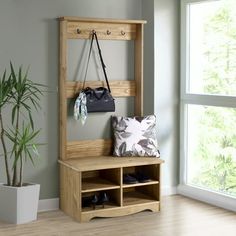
point(114, 31)
point(119, 88)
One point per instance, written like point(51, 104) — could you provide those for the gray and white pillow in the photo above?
point(135, 136)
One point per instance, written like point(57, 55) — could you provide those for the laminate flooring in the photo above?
point(179, 216)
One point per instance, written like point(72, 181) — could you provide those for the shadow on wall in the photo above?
point(52, 108)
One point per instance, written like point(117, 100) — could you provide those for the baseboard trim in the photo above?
point(212, 198)
point(48, 204)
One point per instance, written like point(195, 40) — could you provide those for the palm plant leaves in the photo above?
point(5, 88)
point(24, 142)
point(25, 94)
point(24, 147)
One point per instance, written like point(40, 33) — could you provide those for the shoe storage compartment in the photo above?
point(140, 195)
point(147, 188)
point(145, 175)
point(92, 203)
point(79, 182)
point(100, 180)
point(97, 183)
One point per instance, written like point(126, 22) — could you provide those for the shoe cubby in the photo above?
point(100, 200)
point(144, 175)
point(81, 181)
point(98, 180)
point(140, 195)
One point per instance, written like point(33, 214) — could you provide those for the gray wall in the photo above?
point(29, 36)
point(149, 56)
point(161, 80)
point(166, 84)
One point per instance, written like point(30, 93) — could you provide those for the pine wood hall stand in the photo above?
point(84, 170)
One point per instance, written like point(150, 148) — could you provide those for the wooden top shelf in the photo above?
point(101, 20)
point(108, 162)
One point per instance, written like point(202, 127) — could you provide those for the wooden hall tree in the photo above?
point(84, 170)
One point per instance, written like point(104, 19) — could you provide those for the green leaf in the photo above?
point(35, 150)
point(13, 72)
point(31, 120)
point(13, 114)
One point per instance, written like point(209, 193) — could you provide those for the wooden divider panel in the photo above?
point(86, 148)
point(119, 88)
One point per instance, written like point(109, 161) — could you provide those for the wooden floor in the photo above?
point(179, 216)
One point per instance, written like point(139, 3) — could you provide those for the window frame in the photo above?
point(186, 98)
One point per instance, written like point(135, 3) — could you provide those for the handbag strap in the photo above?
point(94, 35)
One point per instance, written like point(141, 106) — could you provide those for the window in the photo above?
point(208, 95)
point(211, 148)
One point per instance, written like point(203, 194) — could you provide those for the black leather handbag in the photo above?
point(98, 99)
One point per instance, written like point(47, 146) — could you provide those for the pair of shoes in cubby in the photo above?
point(134, 178)
point(94, 200)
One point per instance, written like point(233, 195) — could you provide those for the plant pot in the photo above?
point(19, 205)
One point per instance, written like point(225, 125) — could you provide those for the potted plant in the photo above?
point(20, 96)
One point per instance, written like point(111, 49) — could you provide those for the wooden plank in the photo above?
point(99, 208)
point(121, 183)
point(151, 182)
point(136, 198)
point(105, 31)
point(120, 211)
point(119, 88)
point(62, 91)
point(101, 20)
point(107, 162)
point(86, 148)
point(159, 168)
point(97, 184)
point(139, 71)
point(70, 192)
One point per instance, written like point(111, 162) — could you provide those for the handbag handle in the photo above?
point(94, 35)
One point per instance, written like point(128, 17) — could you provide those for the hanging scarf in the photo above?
point(80, 109)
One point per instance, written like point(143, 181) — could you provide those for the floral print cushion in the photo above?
point(135, 136)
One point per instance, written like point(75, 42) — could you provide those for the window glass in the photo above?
point(212, 48)
point(211, 142)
